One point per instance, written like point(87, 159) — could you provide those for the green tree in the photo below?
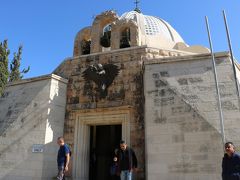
point(15, 73)
point(4, 73)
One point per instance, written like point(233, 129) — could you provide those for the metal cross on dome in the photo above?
point(137, 8)
point(137, 2)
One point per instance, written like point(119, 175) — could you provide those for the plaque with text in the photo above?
point(37, 148)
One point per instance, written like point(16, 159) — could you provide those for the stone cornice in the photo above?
point(128, 49)
point(100, 110)
point(111, 52)
point(186, 58)
point(39, 78)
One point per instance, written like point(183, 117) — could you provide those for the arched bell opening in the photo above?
point(105, 39)
point(125, 39)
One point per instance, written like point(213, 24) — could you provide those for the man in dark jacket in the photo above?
point(230, 163)
point(127, 161)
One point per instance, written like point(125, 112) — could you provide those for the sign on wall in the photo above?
point(37, 148)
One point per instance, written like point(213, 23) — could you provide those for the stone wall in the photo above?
point(125, 91)
point(183, 136)
point(32, 116)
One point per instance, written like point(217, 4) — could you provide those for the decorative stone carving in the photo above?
point(102, 75)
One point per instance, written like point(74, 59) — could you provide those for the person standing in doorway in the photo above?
point(127, 161)
point(230, 163)
point(63, 158)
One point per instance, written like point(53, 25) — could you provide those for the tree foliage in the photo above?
point(4, 73)
point(14, 73)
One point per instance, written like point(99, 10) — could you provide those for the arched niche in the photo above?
point(100, 22)
point(125, 38)
point(82, 43)
point(105, 38)
point(127, 28)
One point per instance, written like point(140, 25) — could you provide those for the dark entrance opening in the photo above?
point(103, 141)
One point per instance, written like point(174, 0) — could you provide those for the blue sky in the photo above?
point(47, 28)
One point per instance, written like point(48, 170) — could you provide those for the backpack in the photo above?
point(113, 169)
point(70, 152)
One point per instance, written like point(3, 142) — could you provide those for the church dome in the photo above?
point(153, 27)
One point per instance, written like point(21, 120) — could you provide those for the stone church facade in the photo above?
point(161, 100)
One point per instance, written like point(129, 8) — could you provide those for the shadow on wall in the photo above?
point(196, 139)
point(14, 102)
point(54, 129)
point(30, 123)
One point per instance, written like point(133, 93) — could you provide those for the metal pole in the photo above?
point(216, 83)
point(231, 53)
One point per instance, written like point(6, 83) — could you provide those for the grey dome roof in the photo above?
point(153, 26)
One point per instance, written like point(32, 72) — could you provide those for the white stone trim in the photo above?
point(39, 78)
point(193, 57)
point(82, 136)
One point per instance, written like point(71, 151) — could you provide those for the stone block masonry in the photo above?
point(125, 91)
point(32, 117)
point(182, 129)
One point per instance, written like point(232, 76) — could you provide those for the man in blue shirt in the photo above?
point(62, 158)
point(230, 163)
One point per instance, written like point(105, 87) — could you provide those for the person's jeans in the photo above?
point(60, 175)
point(126, 175)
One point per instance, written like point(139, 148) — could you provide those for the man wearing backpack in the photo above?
point(63, 158)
